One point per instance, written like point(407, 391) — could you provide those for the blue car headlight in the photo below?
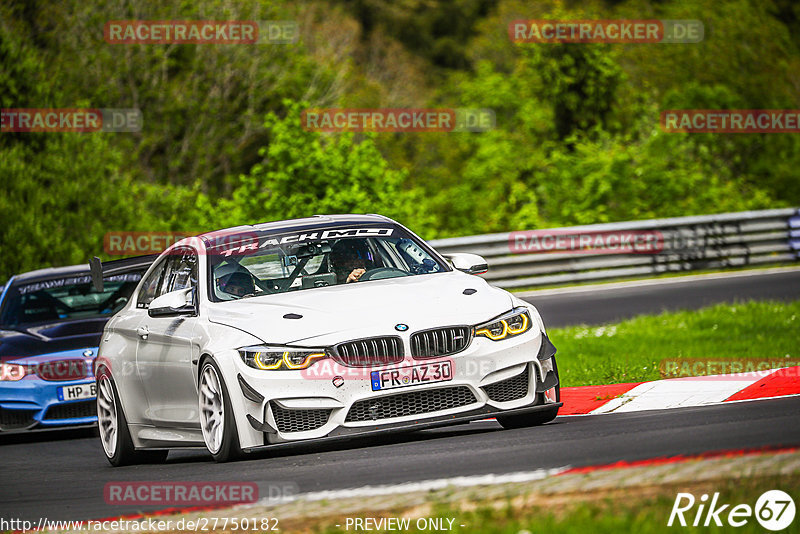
point(11, 372)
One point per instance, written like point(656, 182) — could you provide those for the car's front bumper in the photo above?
point(34, 404)
point(344, 433)
point(480, 372)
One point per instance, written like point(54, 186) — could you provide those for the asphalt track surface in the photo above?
point(64, 478)
point(61, 475)
point(596, 305)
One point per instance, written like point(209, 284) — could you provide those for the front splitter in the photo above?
point(349, 433)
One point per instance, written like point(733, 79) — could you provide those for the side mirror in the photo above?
point(173, 304)
point(468, 263)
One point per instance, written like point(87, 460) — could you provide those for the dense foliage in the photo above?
point(577, 137)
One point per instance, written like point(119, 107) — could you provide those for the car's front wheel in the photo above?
point(113, 427)
point(216, 414)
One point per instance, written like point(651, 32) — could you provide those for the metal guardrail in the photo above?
point(689, 243)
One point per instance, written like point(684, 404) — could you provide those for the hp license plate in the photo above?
point(79, 391)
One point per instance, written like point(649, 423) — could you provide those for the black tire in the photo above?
point(124, 453)
point(533, 418)
point(229, 450)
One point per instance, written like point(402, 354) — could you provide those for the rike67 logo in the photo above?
point(774, 510)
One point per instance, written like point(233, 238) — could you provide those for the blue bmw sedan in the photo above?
point(51, 321)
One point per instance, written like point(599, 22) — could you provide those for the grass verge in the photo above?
point(633, 350)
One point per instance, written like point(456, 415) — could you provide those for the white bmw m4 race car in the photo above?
point(322, 328)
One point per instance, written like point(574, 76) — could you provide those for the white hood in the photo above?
point(339, 313)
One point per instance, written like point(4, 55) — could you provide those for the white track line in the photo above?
point(426, 485)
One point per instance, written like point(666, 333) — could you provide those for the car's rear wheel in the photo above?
point(216, 414)
point(536, 418)
point(113, 427)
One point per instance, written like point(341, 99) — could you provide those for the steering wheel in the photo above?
point(383, 272)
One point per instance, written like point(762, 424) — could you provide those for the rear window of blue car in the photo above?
point(63, 299)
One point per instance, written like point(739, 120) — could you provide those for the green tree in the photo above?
point(303, 173)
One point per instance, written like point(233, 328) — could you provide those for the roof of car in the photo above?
point(51, 272)
point(317, 221)
point(138, 263)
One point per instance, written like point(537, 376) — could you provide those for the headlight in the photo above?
point(274, 358)
point(11, 372)
point(513, 323)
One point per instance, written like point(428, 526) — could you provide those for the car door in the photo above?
point(167, 351)
point(120, 343)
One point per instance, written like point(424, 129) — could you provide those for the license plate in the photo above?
point(400, 377)
point(78, 391)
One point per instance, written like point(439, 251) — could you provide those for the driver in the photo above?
point(348, 260)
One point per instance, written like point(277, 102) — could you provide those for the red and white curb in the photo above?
point(680, 392)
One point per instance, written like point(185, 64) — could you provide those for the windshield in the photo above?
point(293, 262)
point(62, 299)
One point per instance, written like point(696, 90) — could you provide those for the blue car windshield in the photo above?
point(63, 299)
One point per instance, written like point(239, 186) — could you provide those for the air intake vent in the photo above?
point(14, 419)
point(71, 410)
point(412, 403)
point(370, 351)
point(440, 342)
point(298, 420)
point(513, 388)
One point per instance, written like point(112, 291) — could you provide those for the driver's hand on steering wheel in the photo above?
point(354, 275)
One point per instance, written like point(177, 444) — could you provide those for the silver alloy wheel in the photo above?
point(107, 420)
point(212, 408)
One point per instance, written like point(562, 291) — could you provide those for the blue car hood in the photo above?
point(49, 338)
